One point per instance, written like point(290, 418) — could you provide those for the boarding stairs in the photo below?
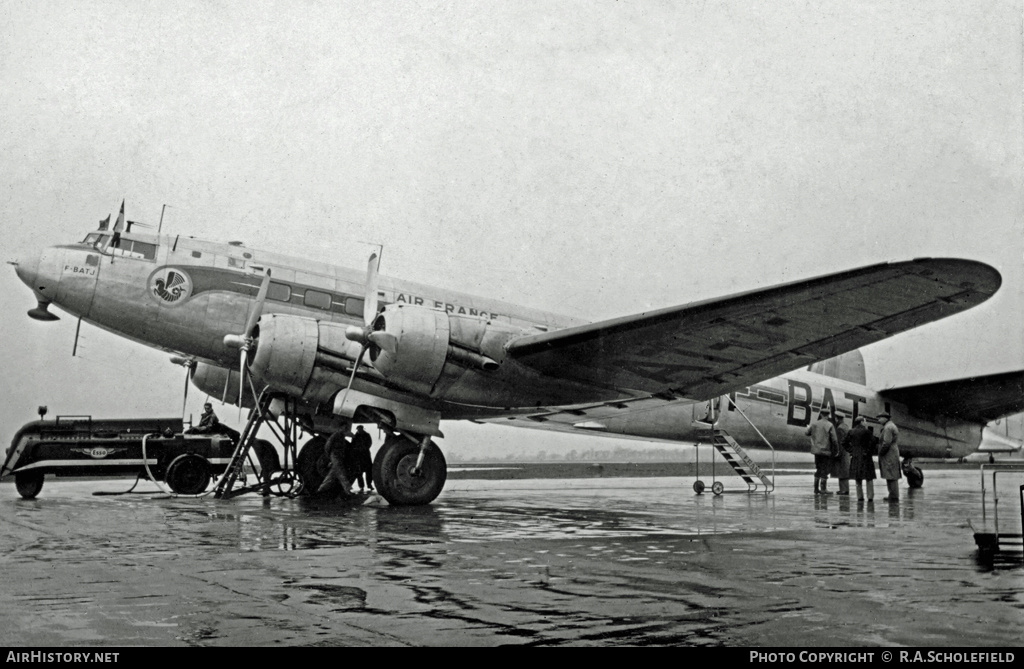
point(740, 462)
point(734, 455)
point(284, 482)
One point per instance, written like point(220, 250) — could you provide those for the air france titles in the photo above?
point(402, 298)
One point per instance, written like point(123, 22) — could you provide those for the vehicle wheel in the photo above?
point(717, 488)
point(698, 486)
point(267, 456)
point(394, 477)
point(312, 465)
point(188, 474)
point(29, 484)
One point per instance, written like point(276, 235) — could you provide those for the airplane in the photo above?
point(351, 346)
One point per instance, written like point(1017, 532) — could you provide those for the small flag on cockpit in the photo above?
point(119, 225)
point(104, 223)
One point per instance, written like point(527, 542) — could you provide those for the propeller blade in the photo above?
point(242, 366)
point(352, 378)
point(370, 302)
point(257, 310)
point(224, 395)
point(184, 402)
point(383, 340)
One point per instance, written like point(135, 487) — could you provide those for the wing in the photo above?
point(706, 349)
point(980, 398)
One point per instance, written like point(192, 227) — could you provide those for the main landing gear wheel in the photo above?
point(29, 484)
point(717, 488)
point(188, 474)
point(698, 486)
point(395, 475)
point(267, 456)
point(312, 465)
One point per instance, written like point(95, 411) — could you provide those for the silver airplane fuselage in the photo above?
point(183, 295)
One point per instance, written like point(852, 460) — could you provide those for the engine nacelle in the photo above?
point(421, 347)
point(433, 348)
point(220, 382)
point(301, 356)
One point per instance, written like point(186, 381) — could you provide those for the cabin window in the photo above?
point(197, 254)
point(280, 292)
point(317, 299)
point(354, 306)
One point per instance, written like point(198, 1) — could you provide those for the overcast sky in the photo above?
point(590, 158)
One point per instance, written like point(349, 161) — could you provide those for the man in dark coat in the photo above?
point(337, 448)
point(360, 464)
point(841, 463)
point(858, 444)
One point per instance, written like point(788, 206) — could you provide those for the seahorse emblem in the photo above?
point(172, 287)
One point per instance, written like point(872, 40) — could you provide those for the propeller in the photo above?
point(189, 364)
point(366, 335)
point(244, 342)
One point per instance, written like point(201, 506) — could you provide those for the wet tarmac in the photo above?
point(538, 561)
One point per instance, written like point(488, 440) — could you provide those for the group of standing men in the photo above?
point(350, 461)
point(847, 453)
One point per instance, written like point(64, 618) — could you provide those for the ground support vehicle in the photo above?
point(154, 448)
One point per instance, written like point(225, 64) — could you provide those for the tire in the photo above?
point(29, 484)
point(312, 465)
point(267, 456)
point(698, 486)
point(188, 474)
point(393, 476)
point(717, 488)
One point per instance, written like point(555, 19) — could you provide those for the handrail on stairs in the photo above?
point(763, 438)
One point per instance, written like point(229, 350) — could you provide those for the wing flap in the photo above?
point(709, 348)
point(980, 399)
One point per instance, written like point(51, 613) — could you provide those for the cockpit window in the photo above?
point(96, 240)
point(119, 246)
point(131, 248)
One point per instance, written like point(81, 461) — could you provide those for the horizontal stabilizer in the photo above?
point(978, 398)
point(707, 349)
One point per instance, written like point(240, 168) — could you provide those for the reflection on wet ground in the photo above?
point(639, 561)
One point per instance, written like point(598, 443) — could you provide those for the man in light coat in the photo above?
point(824, 446)
point(889, 456)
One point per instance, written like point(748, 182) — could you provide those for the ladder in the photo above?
point(741, 463)
point(284, 482)
point(734, 454)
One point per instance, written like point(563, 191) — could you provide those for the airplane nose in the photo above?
point(43, 284)
point(27, 268)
